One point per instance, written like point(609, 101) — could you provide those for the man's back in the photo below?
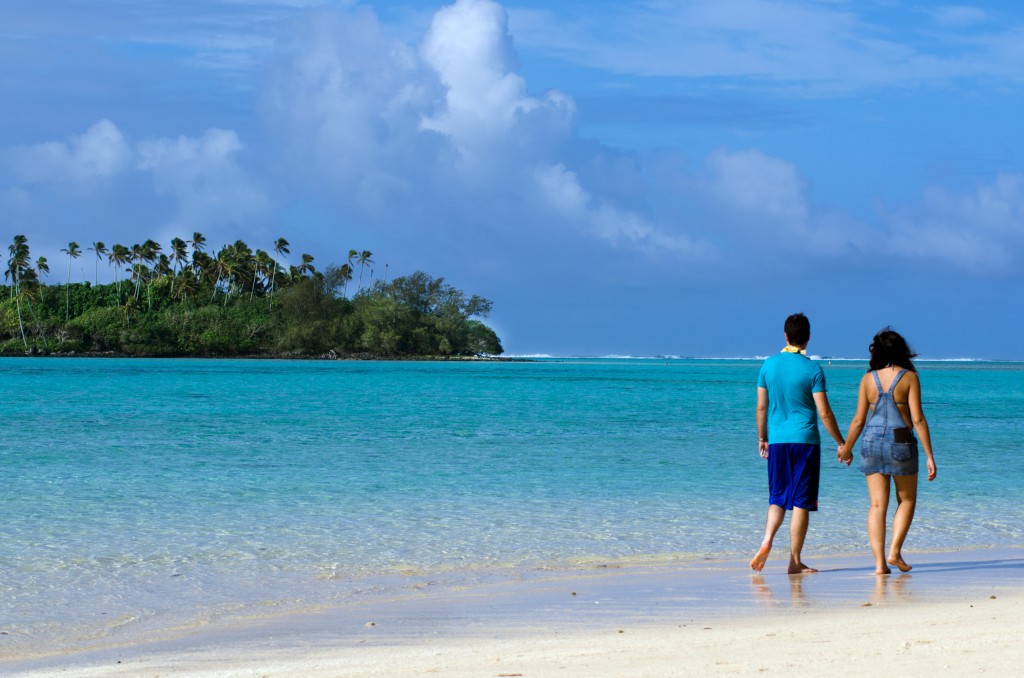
point(791, 380)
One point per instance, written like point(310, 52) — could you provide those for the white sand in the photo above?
point(927, 639)
point(959, 613)
point(961, 638)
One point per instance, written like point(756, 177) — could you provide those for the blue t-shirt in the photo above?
point(791, 380)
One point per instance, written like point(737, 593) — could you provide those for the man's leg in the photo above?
point(776, 514)
point(797, 533)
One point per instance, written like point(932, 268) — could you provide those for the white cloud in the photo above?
point(346, 101)
point(203, 176)
point(982, 231)
point(561, 189)
point(449, 131)
point(84, 161)
point(815, 48)
point(766, 200)
point(446, 138)
point(471, 50)
point(753, 181)
point(959, 16)
point(184, 183)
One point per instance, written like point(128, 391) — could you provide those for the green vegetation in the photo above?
point(236, 303)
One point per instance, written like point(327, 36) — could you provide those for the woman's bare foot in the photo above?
point(757, 564)
point(882, 569)
point(898, 561)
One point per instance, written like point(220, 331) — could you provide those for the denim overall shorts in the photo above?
point(879, 451)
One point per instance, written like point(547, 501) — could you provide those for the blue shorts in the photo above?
point(793, 471)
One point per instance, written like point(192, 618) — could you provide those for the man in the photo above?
point(790, 398)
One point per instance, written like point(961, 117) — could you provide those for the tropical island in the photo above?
point(185, 302)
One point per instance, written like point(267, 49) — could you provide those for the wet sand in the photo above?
point(955, 612)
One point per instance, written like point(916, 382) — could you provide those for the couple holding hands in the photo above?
point(791, 396)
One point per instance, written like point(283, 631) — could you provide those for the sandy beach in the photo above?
point(956, 613)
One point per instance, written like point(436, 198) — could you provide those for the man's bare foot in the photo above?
point(757, 564)
point(800, 568)
point(883, 570)
point(900, 563)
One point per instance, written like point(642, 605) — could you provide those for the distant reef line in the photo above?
point(328, 356)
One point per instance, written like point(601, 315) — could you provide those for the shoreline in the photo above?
point(354, 357)
point(635, 620)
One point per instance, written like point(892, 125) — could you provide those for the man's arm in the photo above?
point(827, 418)
point(762, 422)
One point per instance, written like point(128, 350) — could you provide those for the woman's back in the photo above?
point(901, 395)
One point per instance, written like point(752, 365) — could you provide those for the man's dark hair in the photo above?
point(890, 348)
point(798, 329)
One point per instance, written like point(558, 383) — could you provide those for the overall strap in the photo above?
point(895, 380)
point(878, 384)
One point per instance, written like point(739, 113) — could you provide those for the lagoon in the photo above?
point(145, 495)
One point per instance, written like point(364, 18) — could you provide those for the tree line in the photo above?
point(236, 302)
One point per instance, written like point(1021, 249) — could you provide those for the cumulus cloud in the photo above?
point(84, 161)
point(471, 50)
point(982, 230)
point(447, 130)
point(769, 202)
point(203, 176)
point(180, 183)
point(561, 189)
point(445, 138)
point(346, 100)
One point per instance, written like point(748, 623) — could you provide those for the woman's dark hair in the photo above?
point(890, 348)
point(797, 329)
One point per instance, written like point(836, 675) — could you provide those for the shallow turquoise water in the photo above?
point(143, 491)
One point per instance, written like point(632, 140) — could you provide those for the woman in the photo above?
point(892, 391)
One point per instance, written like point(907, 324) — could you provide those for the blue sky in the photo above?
point(637, 178)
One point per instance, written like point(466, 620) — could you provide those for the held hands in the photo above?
point(844, 455)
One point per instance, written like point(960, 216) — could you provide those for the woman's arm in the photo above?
point(920, 423)
point(857, 425)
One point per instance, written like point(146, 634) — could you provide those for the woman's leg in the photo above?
point(878, 497)
point(906, 499)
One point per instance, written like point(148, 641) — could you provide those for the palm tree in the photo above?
point(73, 253)
point(280, 249)
point(186, 286)
point(150, 254)
point(17, 265)
point(135, 257)
point(363, 261)
point(41, 267)
point(198, 242)
point(179, 256)
point(261, 265)
point(306, 266)
point(202, 263)
point(238, 258)
point(219, 270)
point(118, 256)
point(100, 249)
point(346, 277)
point(163, 267)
